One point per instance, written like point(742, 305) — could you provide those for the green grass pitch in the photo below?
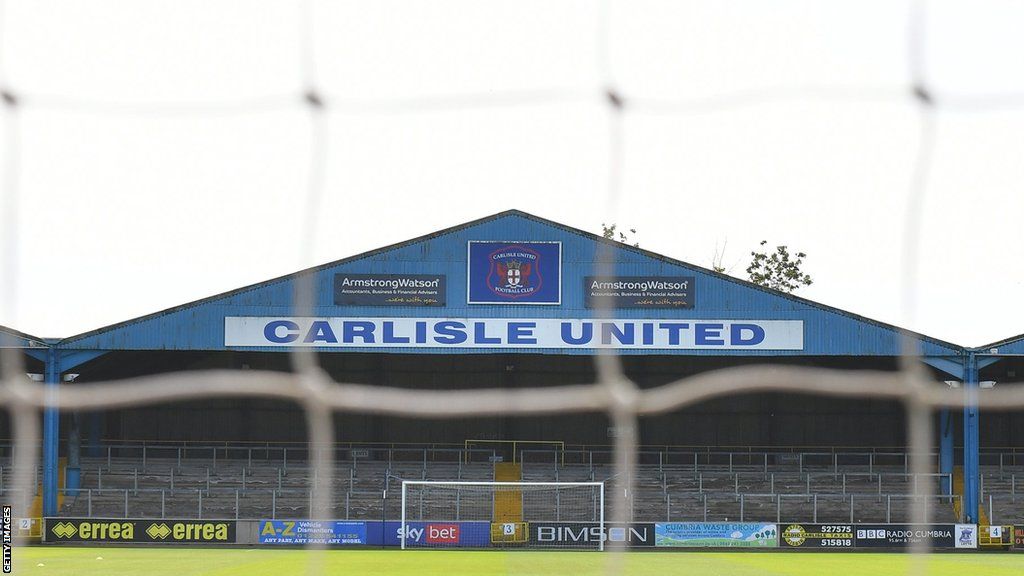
point(110, 561)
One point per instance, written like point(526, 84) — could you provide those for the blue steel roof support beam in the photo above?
point(952, 366)
point(971, 444)
point(57, 362)
point(51, 435)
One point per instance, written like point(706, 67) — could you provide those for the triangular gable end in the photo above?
point(714, 299)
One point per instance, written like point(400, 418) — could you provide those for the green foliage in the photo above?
point(610, 232)
point(778, 270)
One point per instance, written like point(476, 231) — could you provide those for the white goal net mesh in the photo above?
point(612, 393)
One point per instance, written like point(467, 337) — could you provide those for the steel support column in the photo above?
point(51, 434)
point(946, 450)
point(971, 444)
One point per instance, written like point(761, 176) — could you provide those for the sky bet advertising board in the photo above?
point(432, 534)
point(515, 273)
point(716, 534)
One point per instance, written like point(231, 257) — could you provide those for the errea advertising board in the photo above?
point(395, 332)
point(146, 531)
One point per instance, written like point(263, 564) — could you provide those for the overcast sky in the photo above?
point(163, 153)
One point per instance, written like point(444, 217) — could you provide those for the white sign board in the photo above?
point(653, 334)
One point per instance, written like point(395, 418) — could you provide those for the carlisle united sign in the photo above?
point(514, 273)
point(537, 333)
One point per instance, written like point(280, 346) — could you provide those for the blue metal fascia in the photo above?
point(200, 325)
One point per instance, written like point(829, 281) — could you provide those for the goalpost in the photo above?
point(443, 514)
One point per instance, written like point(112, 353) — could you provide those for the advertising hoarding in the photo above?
point(802, 535)
point(390, 289)
point(298, 532)
point(903, 535)
point(716, 534)
point(562, 534)
point(640, 291)
point(151, 531)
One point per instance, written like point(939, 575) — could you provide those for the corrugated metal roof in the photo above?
point(11, 338)
point(200, 324)
point(1011, 345)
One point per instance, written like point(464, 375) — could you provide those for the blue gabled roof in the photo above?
point(199, 325)
point(11, 338)
point(1011, 345)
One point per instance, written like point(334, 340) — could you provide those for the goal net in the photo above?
point(438, 514)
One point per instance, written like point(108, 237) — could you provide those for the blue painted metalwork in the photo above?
point(57, 362)
point(11, 338)
point(51, 435)
point(200, 325)
point(946, 450)
point(70, 359)
point(971, 446)
point(952, 366)
point(1013, 346)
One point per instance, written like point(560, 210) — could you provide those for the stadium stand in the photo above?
point(799, 486)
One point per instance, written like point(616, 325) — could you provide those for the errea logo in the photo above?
point(65, 530)
point(158, 530)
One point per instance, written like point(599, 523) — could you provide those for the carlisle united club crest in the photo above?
point(514, 272)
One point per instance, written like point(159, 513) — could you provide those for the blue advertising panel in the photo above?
point(455, 534)
point(514, 273)
point(716, 534)
point(299, 532)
